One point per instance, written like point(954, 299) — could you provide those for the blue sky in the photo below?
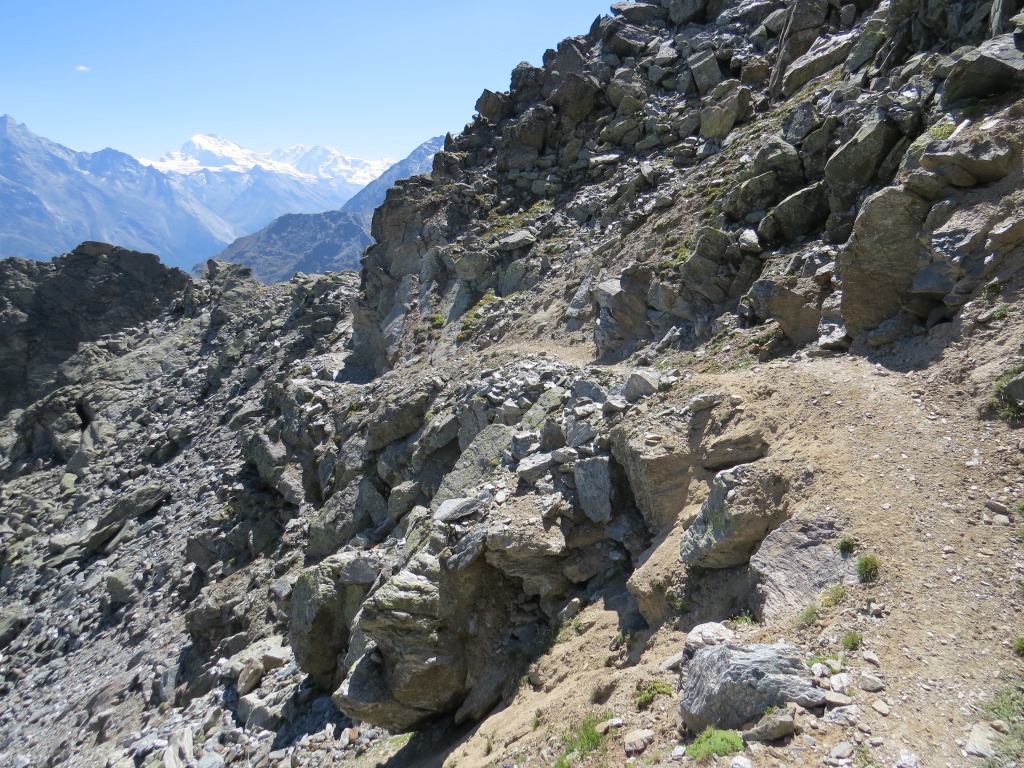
point(373, 79)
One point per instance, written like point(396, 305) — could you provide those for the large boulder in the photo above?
point(731, 685)
point(745, 503)
point(441, 641)
point(325, 600)
point(884, 254)
point(853, 166)
point(995, 67)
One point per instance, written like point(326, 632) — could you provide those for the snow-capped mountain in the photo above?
point(185, 207)
point(212, 153)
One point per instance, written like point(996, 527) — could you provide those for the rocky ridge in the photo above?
point(716, 295)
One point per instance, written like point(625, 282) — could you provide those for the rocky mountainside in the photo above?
point(676, 412)
point(322, 242)
point(186, 207)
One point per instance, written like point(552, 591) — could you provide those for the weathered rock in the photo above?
point(476, 463)
point(795, 303)
point(996, 66)
point(777, 725)
point(854, 165)
point(731, 685)
point(983, 161)
point(706, 636)
point(799, 214)
point(794, 563)
point(705, 70)
point(594, 486)
point(325, 600)
point(120, 588)
point(745, 504)
point(640, 385)
point(826, 53)
point(884, 254)
point(658, 474)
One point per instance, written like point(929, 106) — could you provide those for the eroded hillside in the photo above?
point(680, 394)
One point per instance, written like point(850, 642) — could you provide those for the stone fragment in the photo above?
point(706, 72)
point(120, 589)
point(883, 256)
point(706, 635)
point(640, 385)
point(826, 53)
point(635, 742)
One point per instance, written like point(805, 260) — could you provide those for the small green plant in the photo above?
point(847, 545)
point(993, 290)
point(1008, 705)
point(862, 758)
point(744, 619)
point(714, 743)
point(1001, 403)
point(833, 595)
point(809, 616)
point(571, 628)
point(536, 722)
point(852, 640)
point(769, 711)
point(580, 742)
point(1020, 533)
point(941, 131)
point(436, 320)
point(1018, 647)
point(649, 691)
point(867, 568)
point(1001, 312)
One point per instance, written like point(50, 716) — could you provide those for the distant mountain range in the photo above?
point(185, 207)
point(323, 242)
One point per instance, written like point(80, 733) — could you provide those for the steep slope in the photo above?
point(420, 160)
point(302, 242)
point(668, 400)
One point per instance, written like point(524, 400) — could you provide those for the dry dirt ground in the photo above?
point(901, 455)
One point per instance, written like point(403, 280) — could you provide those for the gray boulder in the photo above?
point(884, 254)
point(745, 503)
point(731, 685)
point(995, 67)
point(855, 163)
point(594, 486)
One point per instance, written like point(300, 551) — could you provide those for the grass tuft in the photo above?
point(852, 640)
point(808, 616)
point(649, 691)
point(847, 545)
point(868, 567)
point(580, 742)
point(833, 595)
point(714, 743)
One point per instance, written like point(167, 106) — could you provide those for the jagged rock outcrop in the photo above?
point(48, 309)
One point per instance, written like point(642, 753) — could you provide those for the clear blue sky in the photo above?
point(373, 79)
